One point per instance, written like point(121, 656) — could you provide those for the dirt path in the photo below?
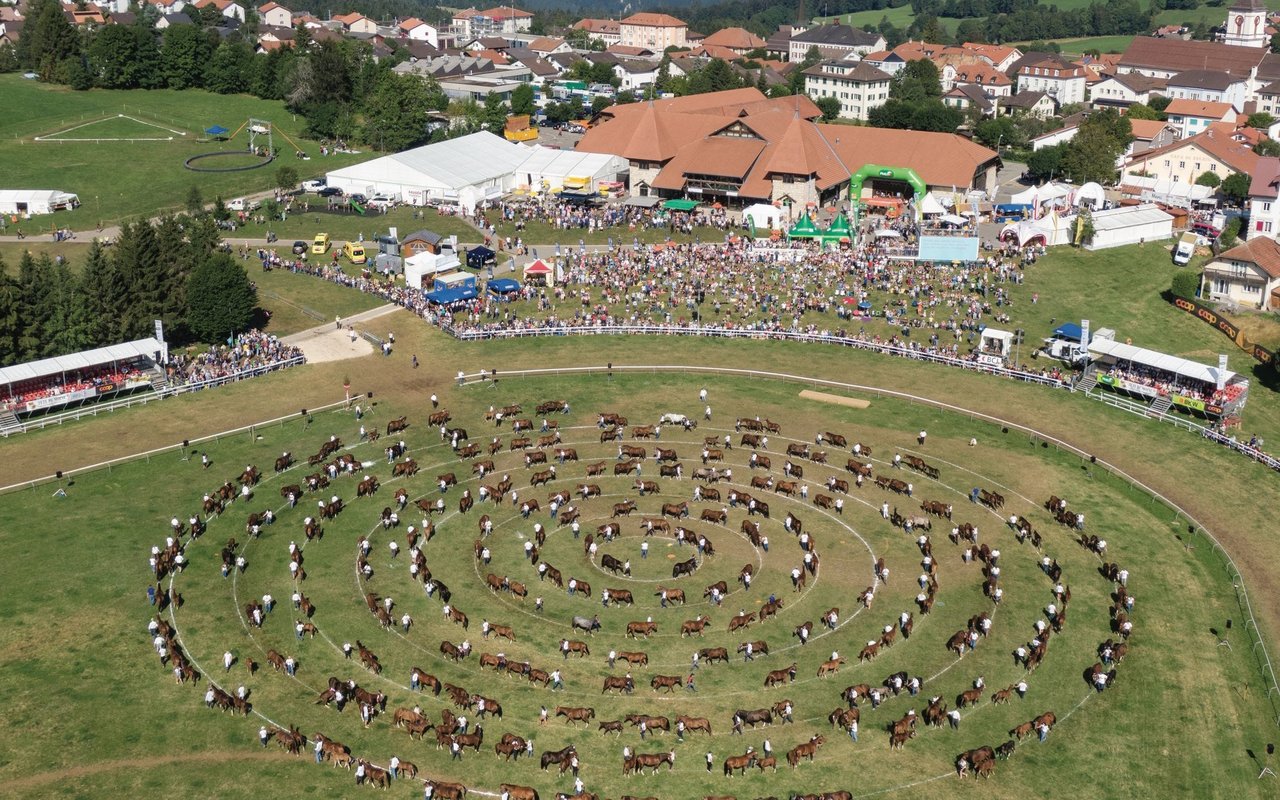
point(327, 342)
point(18, 785)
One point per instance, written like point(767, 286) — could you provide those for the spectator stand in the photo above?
point(77, 378)
point(1215, 393)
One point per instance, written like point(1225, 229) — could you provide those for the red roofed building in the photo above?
point(1191, 117)
point(740, 40)
point(607, 31)
point(355, 22)
point(654, 31)
point(739, 147)
point(275, 15)
point(471, 24)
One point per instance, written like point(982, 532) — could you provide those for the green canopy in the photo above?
point(839, 228)
point(680, 205)
point(804, 229)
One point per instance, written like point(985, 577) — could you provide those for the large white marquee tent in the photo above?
point(471, 169)
point(464, 171)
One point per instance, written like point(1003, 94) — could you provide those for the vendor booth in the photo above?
point(424, 266)
point(995, 347)
point(504, 289)
point(539, 273)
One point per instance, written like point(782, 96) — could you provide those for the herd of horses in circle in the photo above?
point(979, 761)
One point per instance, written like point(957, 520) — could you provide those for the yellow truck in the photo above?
point(321, 244)
point(518, 129)
point(354, 251)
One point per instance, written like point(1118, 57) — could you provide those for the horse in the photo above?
point(587, 624)
point(637, 629)
point(741, 621)
point(571, 715)
point(806, 750)
point(668, 682)
point(738, 763)
point(686, 567)
point(692, 724)
point(829, 667)
point(620, 684)
point(778, 676)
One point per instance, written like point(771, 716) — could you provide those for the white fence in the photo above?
point(142, 398)
point(147, 454)
point(1089, 461)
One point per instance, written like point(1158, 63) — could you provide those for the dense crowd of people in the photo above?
point(249, 353)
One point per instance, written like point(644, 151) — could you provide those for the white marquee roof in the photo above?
point(48, 367)
point(451, 164)
point(1128, 217)
point(1161, 361)
point(569, 163)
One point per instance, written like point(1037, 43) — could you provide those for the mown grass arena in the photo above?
point(96, 714)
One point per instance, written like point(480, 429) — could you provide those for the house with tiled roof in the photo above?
point(227, 8)
point(1125, 89)
point(858, 86)
point(275, 15)
point(739, 40)
point(1213, 86)
point(605, 31)
point(631, 51)
point(1247, 274)
point(418, 31)
point(169, 20)
point(470, 23)
point(1164, 58)
point(740, 146)
point(1218, 150)
point(86, 14)
point(1264, 199)
point(654, 31)
point(355, 22)
point(1149, 134)
point(1031, 103)
point(1001, 56)
point(966, 96)
point(1053, 74)
point(835, 41)
point(1191, 117)
point(546, 45)
point(985, 76)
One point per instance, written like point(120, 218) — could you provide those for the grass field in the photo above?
point(156, 179)
point(1103, 44)
point(87, 649)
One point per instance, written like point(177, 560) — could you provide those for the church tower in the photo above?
point(1247, 24)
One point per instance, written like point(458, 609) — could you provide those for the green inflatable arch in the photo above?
point(904, 174)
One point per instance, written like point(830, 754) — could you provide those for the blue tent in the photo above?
point(478, 257)
point(216, 130)
point(1068, 330)
point(447, 296)
point(504, 285)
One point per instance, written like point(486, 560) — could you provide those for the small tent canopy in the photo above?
point(504, 285)
point(538, 272)
point(888, 233)
point(1091, 193)
point(930, 205)
point(839, 227)
point(446, 296)
point(478, 256)
point(953, 219)
point(680, 205)
point(996, 342)
point(216, 130)
point(642, 201)
point(1069, 330)
point(804, 229)
point(763, 215)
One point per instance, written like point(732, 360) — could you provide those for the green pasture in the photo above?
point(1103, 44)
point(78, 640)
point(119, 180)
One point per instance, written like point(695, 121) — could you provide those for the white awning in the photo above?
point(87, 359)
point(930, 205)
point(1162, 361)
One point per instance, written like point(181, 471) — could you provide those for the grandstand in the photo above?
point(51, 383)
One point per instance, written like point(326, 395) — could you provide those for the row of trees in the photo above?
point(168, 270)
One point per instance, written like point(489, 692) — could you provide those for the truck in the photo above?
point(1066, 344)
point(1185, 248)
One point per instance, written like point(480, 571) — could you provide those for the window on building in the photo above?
point(1251, 288)
point(1182, 165)
point(1266, 206)
point(1219, 285)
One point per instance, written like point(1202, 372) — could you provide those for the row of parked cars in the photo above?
point(319, 187)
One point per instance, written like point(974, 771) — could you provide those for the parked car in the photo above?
point(382, 201)
point(314, 187)
point(321, 245)
point(300, 248)
point(330, 191)
point(359, 198)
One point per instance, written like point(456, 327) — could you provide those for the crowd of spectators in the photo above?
point(248, 354)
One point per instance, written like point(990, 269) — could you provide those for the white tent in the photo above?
point(1042, 194)
point(36, 201)
point(995, 346)
point(1051, 229)
point(424, 265)
point(931, 205)
point(763, 215)
point(545, 169)
point(1129, 225)
point(481, 164)
point(1091, 193)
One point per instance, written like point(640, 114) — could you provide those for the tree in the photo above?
point(1185, 284)
point(522, 99)
point(1260, 120)
point(917, 80)
point(286, 178)
point(1046, 162)
point(185, 51)
point(1267, 147)
point(1235, 188)
point(195, 201)
point(1275, 42)
point(396, 114)
point(1084, 228)
point(495, 114)
point(221, 299)
point(830, 107)
point(1143, 111)
point(10, 316)
point(1209, 179)
point(1230, 234)
point(1159, 102)
point(998, 131)
point(48, 39)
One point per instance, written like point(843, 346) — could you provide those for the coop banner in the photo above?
point(1228, 329)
